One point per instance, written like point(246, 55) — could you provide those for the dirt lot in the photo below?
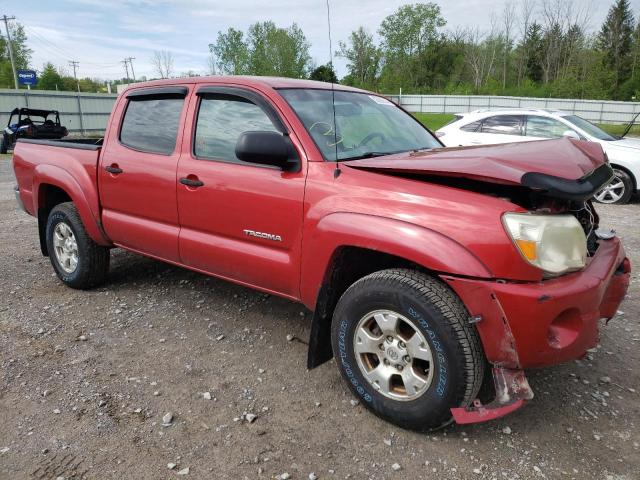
point(88, 376)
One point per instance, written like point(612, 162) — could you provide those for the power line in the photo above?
point(55, 50)
point(13, 63)
point(75, 64)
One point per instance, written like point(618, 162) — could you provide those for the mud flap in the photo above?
point(512, 392)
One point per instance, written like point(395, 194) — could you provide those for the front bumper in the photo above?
point(525, 325)
point(16, 192)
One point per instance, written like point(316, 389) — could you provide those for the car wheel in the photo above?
point(619, 191)
point(3, 144)
point(77, 260)
point(403, 343)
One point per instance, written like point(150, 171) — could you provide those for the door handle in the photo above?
point(191, 182)
point(114, 169)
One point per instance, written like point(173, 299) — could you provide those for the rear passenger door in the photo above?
point(239, 221)
point(137, 176)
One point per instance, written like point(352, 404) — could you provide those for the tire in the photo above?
point(430, 310)
point(91, 263)
point(3, 144)
point(619, 191)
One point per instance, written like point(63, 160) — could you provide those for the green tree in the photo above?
point(278, 51)
point(50, 79)
point(363, 57)
point(231, 53)
point(532, 49)
point(405, 36)
point(324, 73)
point(21, 54)
point(615, 40)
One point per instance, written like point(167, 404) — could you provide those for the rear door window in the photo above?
point(151, 124)
point(503, 125)
point(544, 127)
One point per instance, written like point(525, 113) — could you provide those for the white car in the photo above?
point(485, 127)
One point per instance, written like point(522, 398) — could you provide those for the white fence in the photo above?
point(89, 112)
point(596, 111)
point(84, 113)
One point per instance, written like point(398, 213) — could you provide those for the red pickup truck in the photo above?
point(431, 272)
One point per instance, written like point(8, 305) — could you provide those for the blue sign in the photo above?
point(27, 77)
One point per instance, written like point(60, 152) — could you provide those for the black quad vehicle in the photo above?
point(31, 123)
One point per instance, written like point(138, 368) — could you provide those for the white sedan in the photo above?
point(486, 127)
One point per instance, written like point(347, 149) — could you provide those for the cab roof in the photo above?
point(255, 81)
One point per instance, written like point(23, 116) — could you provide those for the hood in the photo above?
point(564, 168)
point(624, 143)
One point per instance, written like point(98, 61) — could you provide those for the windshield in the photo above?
point(365, 125)
point(589, 128)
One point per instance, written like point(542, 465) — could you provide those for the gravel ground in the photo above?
point(87, 378)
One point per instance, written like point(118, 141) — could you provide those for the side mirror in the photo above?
point(266, 148)
point(571, 134)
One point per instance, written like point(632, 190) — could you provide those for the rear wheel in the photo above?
point(77, 260)
point(404, 345)
point(619, 191)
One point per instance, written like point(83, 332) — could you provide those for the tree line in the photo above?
point(540, 48)
point(532, 48)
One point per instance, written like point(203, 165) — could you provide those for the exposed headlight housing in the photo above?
point(554, 243)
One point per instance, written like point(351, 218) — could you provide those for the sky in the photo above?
point(101, 33)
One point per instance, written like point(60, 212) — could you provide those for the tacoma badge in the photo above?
point(266, 236)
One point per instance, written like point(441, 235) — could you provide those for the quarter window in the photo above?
point(221, 121)
point(472, 127)
point(544, 127)
point(151, 124)
point(503, 125)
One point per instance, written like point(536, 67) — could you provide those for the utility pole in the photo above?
point(126, 67)
point(130, 60)
point(13, 63)
point(75, 65)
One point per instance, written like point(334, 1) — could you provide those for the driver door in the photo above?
point(239, 221)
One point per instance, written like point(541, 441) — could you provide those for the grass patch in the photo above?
point(434, 121)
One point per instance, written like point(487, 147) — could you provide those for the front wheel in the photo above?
point(404, 345)
point(4, 144)
point(619, 191)
point(77, 260)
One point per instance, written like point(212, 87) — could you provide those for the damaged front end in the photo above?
point(531, 323)
point(512, 391)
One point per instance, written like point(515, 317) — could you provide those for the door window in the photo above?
point(503, 125)
point(151, 124)
point(221, 121)
point(544, 127)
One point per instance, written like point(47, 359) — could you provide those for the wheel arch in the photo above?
point(628, 172)
point(52, 186)
point(334, 267)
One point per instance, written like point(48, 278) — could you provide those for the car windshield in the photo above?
point(365, 125)
point(589, 128)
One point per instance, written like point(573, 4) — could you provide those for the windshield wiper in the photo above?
point(369, 155)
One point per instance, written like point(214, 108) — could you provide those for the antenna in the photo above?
point(336, 172)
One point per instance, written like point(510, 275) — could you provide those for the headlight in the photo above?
point(554, 243)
